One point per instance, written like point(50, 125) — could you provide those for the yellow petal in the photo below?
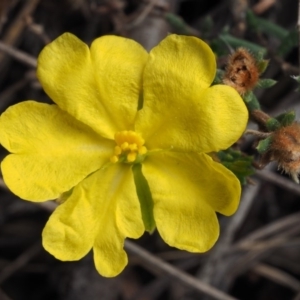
point(180, 110)
point(98, 87)
point(192, 64)
point(224, 120)
point(101, 212)
point(70, 231)
point(52, 151)
point(122, 218)
point(119, 64)
point(187, 189)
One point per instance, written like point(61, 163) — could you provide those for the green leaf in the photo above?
point(265, 83)
point(219, 77)
point(236, 43)
point(251, 101)
point(272, 124)
point(297, 79)
point(288, 39)
point(145, 197)
point(262, 25)
point(262, 64)
point(140, 101)
point(287, 118)
point(179, 24)
point(288, 43)
point(206, 27)
point(238, 163)
point(264, 145)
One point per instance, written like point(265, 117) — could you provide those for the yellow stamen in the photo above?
point(131, 156)
point(118, 150)
point(142, 150)
point(130, 146)
point(114, 159)
point(124, 146)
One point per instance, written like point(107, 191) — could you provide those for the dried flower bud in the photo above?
point(285, 149)
point(242, 72)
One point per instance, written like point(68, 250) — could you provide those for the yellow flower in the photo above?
point(86, 147)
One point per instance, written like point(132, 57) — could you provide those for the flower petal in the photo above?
point(122, 218)
point(180, 111)
point(191, 60)
point(70, 231)
point(101, 212)
point(224, 120)
point(52, 151)
point(187, 189)
point(119, 64)
point(99, 87)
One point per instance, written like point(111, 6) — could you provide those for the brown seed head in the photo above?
point(285, 149)
point(242, 72)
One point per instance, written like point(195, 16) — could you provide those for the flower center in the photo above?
point(130, 147)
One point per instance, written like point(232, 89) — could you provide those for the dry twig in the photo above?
point(152, 26)
point(278, 180)
point(272, 229)
point(215, 271)
point(151, 262)
point(13, 33)
point(144, 13)
point(282, 229)
point(277, 276)
point(19, 262)
point(18, 55)
point(263, 6)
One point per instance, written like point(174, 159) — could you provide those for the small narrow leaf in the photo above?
point(140, 101)
point(145, 197)
point(251, 101)
point(238, 163)
point(206, 27)
point(265, 83)
point(179, 25)
point(287, 118)
point(297, 79)
point(262, 64)
point(219, 77)
point(262, 25)
point(264, 145)
point(236, 43)
point(288, 43)
point(272, 124)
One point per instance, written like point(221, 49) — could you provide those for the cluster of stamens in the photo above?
point(130, 145)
